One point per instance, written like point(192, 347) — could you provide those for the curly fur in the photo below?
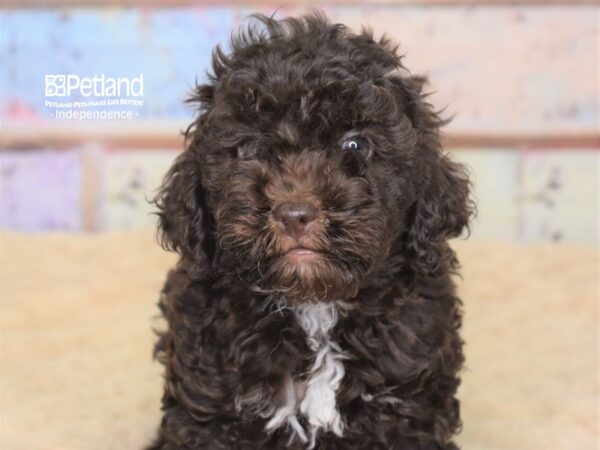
point(359, 347)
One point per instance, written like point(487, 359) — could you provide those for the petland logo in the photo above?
point(73, 97)
point(97, 86)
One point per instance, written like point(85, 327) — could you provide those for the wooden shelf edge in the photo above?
point(554, 140)
point(158, 135)
point(168, 136)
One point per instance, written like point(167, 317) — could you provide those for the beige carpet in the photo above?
point(77, 311)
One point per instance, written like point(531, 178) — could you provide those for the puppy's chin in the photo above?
point(304, 276)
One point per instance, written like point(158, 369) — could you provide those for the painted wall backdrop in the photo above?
point(499, 70)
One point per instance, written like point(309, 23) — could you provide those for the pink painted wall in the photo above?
point(497, 69)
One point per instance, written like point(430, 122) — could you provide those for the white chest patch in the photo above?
point(314, 398)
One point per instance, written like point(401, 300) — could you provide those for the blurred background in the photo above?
point(521, 81)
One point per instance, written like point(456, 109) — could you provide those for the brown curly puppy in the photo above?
point(313, 305)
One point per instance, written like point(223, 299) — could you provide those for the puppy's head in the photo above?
point(314, 162)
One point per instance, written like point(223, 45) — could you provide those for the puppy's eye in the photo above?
point(354, 144)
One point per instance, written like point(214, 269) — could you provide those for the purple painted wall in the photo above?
point(40, 190)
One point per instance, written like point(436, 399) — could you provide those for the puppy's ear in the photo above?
point(443, 208)
point(442, 211)
point(184, 223)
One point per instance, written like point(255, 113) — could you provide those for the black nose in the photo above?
point(295, 217)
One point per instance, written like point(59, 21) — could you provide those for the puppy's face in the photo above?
point(304, 169)
point(310, 196)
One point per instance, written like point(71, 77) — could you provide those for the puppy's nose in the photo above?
point(295, 217)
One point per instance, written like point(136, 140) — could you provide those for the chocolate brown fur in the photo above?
point(270, 129)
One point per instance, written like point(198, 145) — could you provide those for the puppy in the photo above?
point(312, 306)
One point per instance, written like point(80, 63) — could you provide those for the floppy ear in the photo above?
point(442, 211)
point(184, 223)
point(443, 208)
